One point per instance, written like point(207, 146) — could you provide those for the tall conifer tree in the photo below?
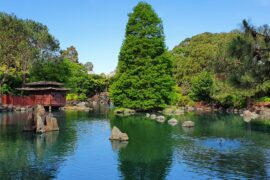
point(144, 73)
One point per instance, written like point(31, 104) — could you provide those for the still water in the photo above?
point(221, 146)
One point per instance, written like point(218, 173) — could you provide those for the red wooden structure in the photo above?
point(45, 93)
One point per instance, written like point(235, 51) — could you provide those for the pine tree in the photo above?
point(143, 79)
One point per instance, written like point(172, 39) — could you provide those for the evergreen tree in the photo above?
point(144, 73)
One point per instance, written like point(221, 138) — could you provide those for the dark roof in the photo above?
point(44, 83)
point(42, 89)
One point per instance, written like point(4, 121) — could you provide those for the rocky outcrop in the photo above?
point(188, 124)
point(173, 122)
point(118, 135)
point(80, 106)
point(124, 112)
point(101, 98)
point(40, 122)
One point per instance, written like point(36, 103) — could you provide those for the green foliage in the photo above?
point(201, 87)
point(239, 62)
point(228, 96)
point(72, 96)
point(179, 99)
point(82, 97)
point(264, 99)
point(81, 82)
point(205, 51)
point(185, 100)
point(74, 75)
point(251, 50)
point(21, 42)
point(143, 79)
point(49, 70)
point(70, 53)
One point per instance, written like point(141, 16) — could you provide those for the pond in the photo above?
point(220, 146)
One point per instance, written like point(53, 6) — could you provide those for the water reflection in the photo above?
point(29, 155)
point(220, 146)
point(117, 145)
point(148, 154)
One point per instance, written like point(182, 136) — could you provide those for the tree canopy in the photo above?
point(143, 78)
point(21, 42)
point(70, 53)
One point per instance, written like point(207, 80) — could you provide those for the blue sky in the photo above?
point(96, 27)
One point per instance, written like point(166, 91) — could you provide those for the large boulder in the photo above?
point(118, 135)
point(188, 124)
point(173, 122)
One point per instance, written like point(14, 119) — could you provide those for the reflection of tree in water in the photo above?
point(223, 147)
point(33, 156)
point(148, 154)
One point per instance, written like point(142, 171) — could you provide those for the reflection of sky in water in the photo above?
point(220, 144)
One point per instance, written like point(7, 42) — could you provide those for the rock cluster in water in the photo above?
point(118, 135)
point(172, 122)
point(160, 119)
point(124, 112)
point(40, 122)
